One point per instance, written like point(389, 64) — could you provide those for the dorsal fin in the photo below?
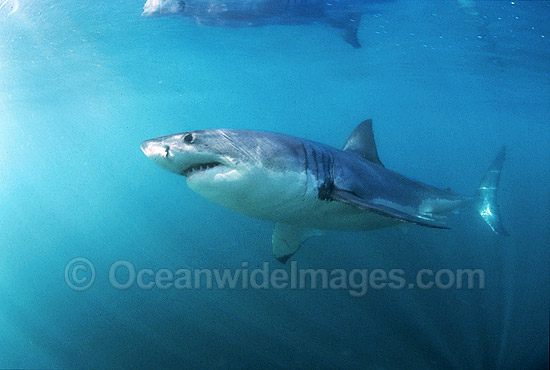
point(361, 141)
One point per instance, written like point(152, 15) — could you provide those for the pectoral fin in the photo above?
point(288, 238)
point(368, 205)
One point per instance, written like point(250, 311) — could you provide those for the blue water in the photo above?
point(83, 83)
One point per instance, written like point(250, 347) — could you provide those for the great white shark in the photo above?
point(304, 186)
point(341, 14)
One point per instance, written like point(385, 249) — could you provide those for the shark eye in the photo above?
point(189, 138)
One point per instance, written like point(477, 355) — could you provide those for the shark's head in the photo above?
point(238, 169)
point(162, 7)
point(202, 156)
point(220, 165)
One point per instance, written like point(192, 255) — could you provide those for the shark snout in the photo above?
point(160, 7)
point(160, 152)
point(155, 149)
point(146, 147)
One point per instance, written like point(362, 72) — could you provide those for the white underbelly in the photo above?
point(334, 215)
point(286, 198)
point(288, 202)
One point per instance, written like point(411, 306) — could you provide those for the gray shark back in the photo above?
point(350, 176)
point(344, 15)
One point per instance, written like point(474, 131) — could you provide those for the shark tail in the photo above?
point(486, 197)
point(349, 23)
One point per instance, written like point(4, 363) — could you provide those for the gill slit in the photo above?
point(306, 164)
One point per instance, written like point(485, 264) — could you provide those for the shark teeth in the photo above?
point(199, 167)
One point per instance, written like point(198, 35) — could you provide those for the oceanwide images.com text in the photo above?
point(80, 275)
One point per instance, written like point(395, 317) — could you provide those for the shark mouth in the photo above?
point(199, 168)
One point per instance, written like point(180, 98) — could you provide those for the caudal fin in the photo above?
point(349, 23)
point(486, 203)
